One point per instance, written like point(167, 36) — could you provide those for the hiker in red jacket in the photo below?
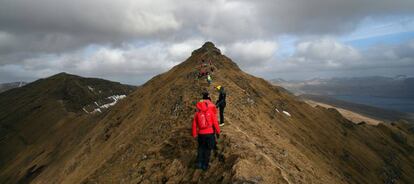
point(205, 125)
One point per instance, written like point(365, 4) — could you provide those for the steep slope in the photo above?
point(46, 111)
point(269, 137)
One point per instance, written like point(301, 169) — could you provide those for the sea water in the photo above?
point(397, 104)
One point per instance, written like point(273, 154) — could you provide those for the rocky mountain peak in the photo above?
point(207, 48)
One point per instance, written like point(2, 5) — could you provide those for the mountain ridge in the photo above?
point(47, 106)
point(145, 138)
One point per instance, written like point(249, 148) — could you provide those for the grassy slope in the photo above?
point(44, 116)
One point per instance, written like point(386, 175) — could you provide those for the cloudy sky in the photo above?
point(132, 40)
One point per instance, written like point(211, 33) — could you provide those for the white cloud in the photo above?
point(228, 21)
point(182, 50)
point(130, 63)
point(326, 50)
point(328, 57)
point(252, 53)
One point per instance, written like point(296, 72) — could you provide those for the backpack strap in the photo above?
point(211, 125)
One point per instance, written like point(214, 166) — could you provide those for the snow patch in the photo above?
point(287, 113)
point(91, 88)
point(85, 110)
point(114, 99)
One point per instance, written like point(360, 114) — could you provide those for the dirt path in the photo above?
point(248, 143)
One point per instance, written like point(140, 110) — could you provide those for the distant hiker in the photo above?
point(211, 67)
point(204, 127)
point(209, 79)
point(202, 73)
point(221, 103)
point(203, 63)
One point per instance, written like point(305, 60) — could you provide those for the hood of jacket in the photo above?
point(202, 106)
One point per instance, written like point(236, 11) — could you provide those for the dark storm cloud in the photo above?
point(55, 26)
point(40, 37)
point(326, 16)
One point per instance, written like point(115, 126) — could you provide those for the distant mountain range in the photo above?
point(393, 87)
point(11, 85)
point(382, 114)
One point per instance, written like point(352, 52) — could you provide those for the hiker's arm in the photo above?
point(221, 99)
point(219, 102)
point(194, 127)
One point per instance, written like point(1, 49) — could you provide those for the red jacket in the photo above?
point(203, 107)
point(211, 106)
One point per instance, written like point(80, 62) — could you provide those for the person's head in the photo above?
point(206, 96)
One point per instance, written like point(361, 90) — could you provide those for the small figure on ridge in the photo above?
point(221, 103)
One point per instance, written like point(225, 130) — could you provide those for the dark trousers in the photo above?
point(221, 109)
point(206, 142)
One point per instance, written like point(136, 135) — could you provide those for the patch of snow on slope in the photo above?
point(114, 99)
point(288, 114)
point(85, 110)
point(91, 88)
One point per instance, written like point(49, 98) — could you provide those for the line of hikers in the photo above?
point(206, 70)
point(206, 127)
